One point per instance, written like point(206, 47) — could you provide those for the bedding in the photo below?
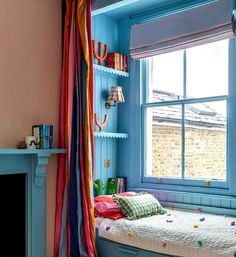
point(98, 221)
point(178, 232)
point(105, 206)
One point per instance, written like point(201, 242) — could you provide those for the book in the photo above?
point(116, 61)
point(111, 60)
point(43, 134)
point(122, 184)
point(116, 185)
point(50, 136)
point(112, 186)
point(124, 63)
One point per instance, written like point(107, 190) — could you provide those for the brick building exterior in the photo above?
point(205, 141)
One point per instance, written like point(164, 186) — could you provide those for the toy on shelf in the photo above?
point(99, 56)
point(30, 142)
point(98, 187)
point(21, 145)
point(101, 125)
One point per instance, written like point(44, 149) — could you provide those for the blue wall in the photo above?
point(124, 118)
point(105, 30)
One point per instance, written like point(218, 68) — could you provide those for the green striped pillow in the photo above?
point(138, 206)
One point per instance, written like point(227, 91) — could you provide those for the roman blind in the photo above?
point(203, 24)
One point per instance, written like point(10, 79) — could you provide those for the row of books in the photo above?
point(43, 134)
point(116, 61)
point(116, 185)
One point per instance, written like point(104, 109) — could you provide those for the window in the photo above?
point(186, 115)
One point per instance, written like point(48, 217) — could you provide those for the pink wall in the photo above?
point(30, 61)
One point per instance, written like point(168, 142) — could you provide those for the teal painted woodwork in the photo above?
point(216, 204)
point(105, 247)
point(167, 7)
point(110, 135)
point(31, 151)
point(109, 71)
point(105, 30)
point(123, 8)
point(104, 6)
point(132, 157)
point(125, 119)
point(126, 155)
point(136, 176)
point(33, 163)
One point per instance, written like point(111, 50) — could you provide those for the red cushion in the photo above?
point(108, 198)
point(114, 215)
point(105, 207)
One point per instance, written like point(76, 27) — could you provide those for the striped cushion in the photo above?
point(139, 206)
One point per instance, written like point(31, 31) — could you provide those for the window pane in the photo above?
point(166, 75)
point(205, 140)
point(163, 141)
point(207, 70)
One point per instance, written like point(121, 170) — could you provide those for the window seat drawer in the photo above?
point(107, 248)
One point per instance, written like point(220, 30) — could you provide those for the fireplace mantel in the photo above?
point(33, 163)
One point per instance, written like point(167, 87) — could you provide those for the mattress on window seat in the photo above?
point(181, 233)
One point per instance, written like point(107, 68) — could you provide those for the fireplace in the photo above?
point(23, 201)
point(12, 215)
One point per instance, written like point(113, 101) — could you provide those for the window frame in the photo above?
point(139, 78)
point(181, 102)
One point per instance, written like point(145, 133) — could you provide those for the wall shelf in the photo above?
point(110, 135)
point(113, 72)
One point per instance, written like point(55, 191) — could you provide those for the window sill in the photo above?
point(186, 183)
point(222, 190)
point(212, 203)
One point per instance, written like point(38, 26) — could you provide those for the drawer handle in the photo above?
point(123, 250)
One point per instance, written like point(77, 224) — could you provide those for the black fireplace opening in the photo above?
point(12, 215)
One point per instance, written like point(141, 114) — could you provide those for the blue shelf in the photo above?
point(31, 151)
point(110, 135)
point(113, 72)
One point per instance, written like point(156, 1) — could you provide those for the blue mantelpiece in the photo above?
point(33, 164)
point(31, 151)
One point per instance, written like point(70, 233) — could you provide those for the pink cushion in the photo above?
point(105, 207)
point(108, 198)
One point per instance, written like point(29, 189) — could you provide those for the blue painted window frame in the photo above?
point(138, 85)
point(182, 102)
point(136, 127)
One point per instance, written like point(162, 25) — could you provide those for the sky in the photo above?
point(206, 74)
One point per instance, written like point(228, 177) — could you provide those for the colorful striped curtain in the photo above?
point(74, 221)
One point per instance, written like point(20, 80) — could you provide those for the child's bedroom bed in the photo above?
point(176, 233)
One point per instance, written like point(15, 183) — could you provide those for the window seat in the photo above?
point(177, 233)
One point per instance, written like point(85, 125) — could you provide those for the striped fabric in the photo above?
point(74, 221)
point(138, 206)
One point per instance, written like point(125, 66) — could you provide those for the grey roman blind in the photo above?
point(204, 24)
